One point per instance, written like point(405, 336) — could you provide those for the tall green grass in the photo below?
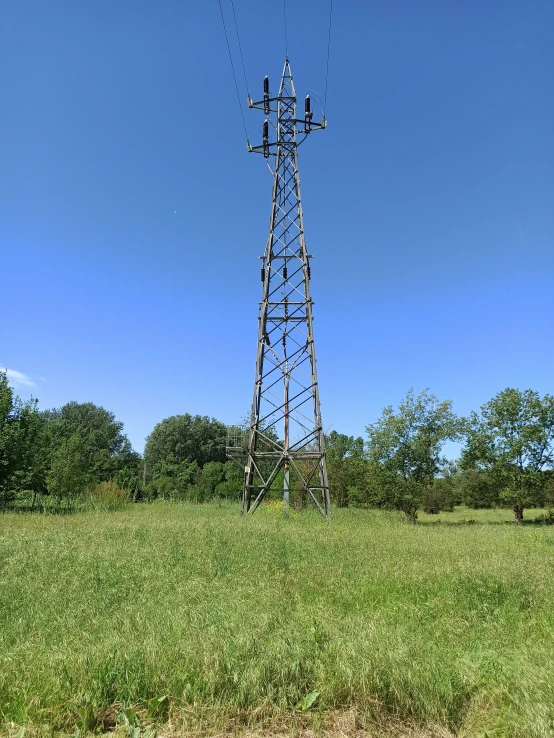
point(242, 619)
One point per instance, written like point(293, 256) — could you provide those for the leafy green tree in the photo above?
point(106, 449)
point(478, 488)
point(231, 487)
point(345, 467)
point(131, 476)
point(183, 438)
point(512, 440)
point(375, 485)
point(37, 456)
point(67, 477)
point(549, 492)
point(16, 423)
point(183, 484)
point(162, 488)
point(213, 474)
point(407, 445)
point(442, 493)
point(438, 496)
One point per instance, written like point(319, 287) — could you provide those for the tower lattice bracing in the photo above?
point(283, 448)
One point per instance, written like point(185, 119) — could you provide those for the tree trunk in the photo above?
point(518, 512)
point(411, 515)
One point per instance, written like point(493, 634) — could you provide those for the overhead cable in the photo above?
point(240, 47)
point(328, 52)
point(285, 22)
point(233, 69)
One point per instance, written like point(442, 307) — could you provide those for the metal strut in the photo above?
point(284, 449)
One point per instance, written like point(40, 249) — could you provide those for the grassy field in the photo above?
point(445, 629)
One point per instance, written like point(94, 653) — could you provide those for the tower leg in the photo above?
point(286, 492)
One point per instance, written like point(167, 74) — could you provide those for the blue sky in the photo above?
point(131, 215)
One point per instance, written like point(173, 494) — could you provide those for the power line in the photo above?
point(328, 52)
point(240, 47)
point(233, 69)
point(285, 22)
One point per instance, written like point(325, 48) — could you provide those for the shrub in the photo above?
point(106, 496)
point(437, 497)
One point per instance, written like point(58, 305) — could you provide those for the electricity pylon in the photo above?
point(285, 443)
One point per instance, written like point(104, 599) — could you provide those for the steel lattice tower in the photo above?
point(285, 447)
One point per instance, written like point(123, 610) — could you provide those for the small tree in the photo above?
point(184, 438)
point(478, 488)
point(231, 487)
point(213, 474)
point(438, 496)
point(344, 465)
point(106, 449)
point(131, 477)
point(441, 495)
point(67, 477)
point(406, 445)
point(512, 441)
point(17, 420)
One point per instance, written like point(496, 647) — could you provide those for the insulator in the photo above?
point(266, 338)
point(308, 112)
point(285, 272)
point(309, 270)
point(284, 340)
point(263, 274)
point(266, 95)
point(266, 139)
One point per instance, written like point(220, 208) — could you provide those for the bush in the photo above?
point(106, 496)
point(437, 497)
point(478, 489)
point(549, 494)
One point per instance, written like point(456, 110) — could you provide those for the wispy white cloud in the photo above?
point(18, 379)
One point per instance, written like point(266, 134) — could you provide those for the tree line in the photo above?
point(507, 458)
point(79, 454)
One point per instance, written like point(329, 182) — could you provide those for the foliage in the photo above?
point(37, 456)
point(478, 488)
point(345, 466)
point(106, 496)
point(17, 423)
point(507, 458)
point(68, 475)
point(106, 449)
point(214, 481)
point(131, 476)
point(406, 445)
point(231, 487)
point(442, 494)
point(513, 441)
point(213, 474)
point(438, 496)
point(245, 619)
point(183, 438)
point(549, 493)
